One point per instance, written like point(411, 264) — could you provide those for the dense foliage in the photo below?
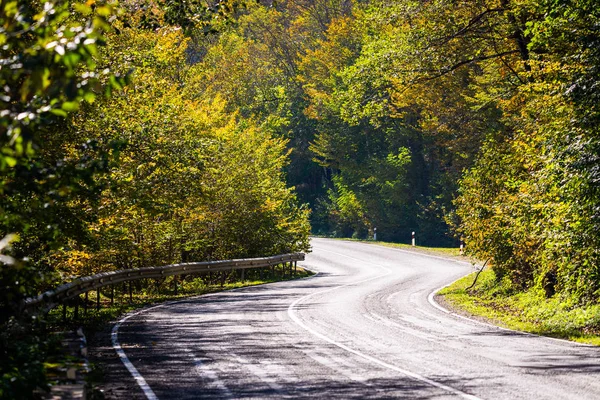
point(112, 157)
point(158, 131)
point(452, 119)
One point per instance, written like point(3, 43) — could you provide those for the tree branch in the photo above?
point(474, 21)
point(447, 70)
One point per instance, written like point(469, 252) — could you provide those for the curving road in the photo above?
point(363, 327)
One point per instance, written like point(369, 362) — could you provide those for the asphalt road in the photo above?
point(363, 327)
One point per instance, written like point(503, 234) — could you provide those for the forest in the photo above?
point(149, 132)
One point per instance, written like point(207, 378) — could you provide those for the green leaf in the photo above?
point(59, 112)
point(71, 59)
point(10, 161)
point(70, 106)
point(89, 97)
point(83, 9)
point(103, 11)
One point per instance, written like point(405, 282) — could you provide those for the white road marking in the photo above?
point(372, 359)
point(125, 360)
point(259, 371)
point(203, 370)
point(434, 303)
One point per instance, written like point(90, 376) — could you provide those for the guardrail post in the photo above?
point(85, 303)
point(295, 268)
point(272, 272)
point(130, 293)
point(64, 313)
point(112, 296)
point(243, 275)
point(76, 311)
point(98, 299)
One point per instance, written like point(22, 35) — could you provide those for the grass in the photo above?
point(526, 311)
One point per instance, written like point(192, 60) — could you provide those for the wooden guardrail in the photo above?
point(72, 289)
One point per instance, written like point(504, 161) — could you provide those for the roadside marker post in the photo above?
point(413, 239)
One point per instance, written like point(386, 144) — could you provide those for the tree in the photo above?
point(48, 68)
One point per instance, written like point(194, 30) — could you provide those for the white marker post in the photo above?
point(375, 234)
point(413, 239)
point(462, 247)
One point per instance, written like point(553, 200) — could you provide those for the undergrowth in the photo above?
point(528, 311)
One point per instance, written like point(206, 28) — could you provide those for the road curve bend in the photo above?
point(361, 328)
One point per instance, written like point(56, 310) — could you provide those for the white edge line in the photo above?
point(150, 395)
point(431, 300)
point(367, 357)
point(435, 304)
point(125, 360)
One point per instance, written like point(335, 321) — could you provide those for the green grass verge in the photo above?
point(525, 311)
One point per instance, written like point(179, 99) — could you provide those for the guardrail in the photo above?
point(75, 288)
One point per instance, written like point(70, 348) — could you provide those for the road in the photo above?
point(363, 327)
